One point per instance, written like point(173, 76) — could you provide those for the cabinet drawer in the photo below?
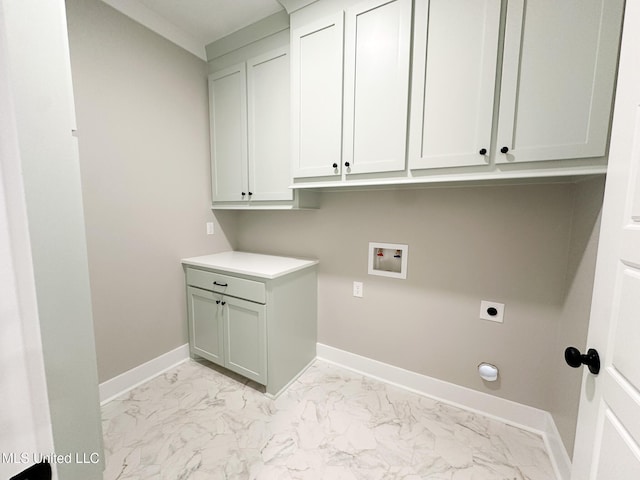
point(227, 285)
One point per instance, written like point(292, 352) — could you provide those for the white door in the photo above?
point(316, 97)
point(452, 101)
point(608, 435)
point(269, 112)
point(228, 124)
point(376, 92)
point(557, 79)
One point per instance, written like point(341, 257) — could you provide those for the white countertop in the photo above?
point(253, 264)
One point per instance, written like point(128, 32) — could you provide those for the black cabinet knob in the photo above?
point(483, 151)
point(223, 303)
point(335, 165)
point(591, 359)
point(217, 302)
point(346, 164)
point(250, 193)
point(504, 149)
point(243, 194)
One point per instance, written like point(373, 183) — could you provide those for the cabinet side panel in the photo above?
point(292, 327)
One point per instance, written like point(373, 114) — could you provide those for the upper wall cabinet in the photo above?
point(555, 91)
point(228, 122)
point(316, 97)
point(361, 129)
point(454, 72)
point(250, 134)
point(558, 79)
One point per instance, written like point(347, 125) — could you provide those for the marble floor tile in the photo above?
point(196, 422)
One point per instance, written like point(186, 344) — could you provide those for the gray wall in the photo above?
point(572, 330)
point(510, 244)
point(141, 105)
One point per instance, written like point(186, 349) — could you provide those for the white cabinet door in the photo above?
point(269, 112)
point(454, 68)
point(377, 56)
point(205, 324)
point(246, 338)
point(228, 117)
point(557, 80)
point(316, 97)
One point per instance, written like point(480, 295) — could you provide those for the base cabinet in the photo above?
point(229, 332)
point(264, 329)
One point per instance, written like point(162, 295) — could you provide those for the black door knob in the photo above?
point(243, 193)
point(504, 149)
point(591, 359)
point(346, 164)
point(250, 193)
point(483, 151)
point(335, 165)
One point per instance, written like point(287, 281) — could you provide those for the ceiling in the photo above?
point(209, 20)
point(193, 24)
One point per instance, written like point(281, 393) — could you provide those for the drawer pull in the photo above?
point(221, 284)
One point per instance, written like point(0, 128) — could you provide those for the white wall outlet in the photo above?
point(357, 289)
point(492, 311)
point(209, 228)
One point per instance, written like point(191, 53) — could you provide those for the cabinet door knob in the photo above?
point(250, 193)
point(335, 165)
point(223, 303)
point(483, 151)
point(346, 164)
point(217, 302)
point(504, 149)
point(243, 194)
point(591, 359)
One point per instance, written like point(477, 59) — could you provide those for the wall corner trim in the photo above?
point(130, 379)
point(507, 411)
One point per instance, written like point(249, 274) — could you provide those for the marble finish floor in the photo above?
point(197, 423)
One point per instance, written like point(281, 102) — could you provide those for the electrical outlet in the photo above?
point(209, 228)
point(357, 289)
point(492, 311)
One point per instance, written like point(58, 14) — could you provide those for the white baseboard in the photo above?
point(136, 376)
point(507, 411)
